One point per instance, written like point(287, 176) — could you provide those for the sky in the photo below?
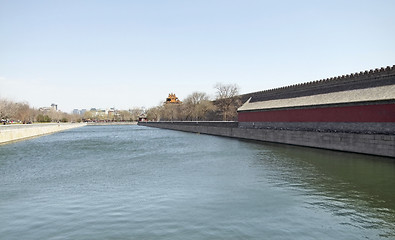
point(125, 53)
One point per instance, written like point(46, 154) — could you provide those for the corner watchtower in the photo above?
point(172, 99)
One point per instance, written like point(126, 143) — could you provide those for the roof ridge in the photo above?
point(337, 78)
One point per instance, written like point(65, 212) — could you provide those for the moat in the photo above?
point(135, 182)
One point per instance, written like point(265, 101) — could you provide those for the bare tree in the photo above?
point(171, 112)
point(89, 116)
point(33, 114)
point(22, 112)
point(55, 115)
point(75, 118)
point(154, 113)
point(136, 112)
point(14, 111)
point(125, 115)
point(196, 106)
point(227, 100)
point(6, 109)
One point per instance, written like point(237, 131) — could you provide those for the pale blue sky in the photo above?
point(86, 53)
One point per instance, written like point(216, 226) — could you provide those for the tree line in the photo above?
point(21, 112)
point(199, 107)
point(130, 115)
point(195, 107)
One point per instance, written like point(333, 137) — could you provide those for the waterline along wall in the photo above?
point(375, 144)
point(354, 113)
point(11, 133)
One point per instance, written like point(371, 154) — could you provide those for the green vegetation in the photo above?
point(43, 118)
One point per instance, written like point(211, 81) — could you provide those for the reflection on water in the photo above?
point(350, 185)
point(132, 182)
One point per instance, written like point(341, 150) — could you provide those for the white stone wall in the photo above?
point(10, 133)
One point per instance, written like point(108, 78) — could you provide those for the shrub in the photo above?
point(43, 118)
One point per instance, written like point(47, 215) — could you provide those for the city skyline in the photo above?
point(127, 54)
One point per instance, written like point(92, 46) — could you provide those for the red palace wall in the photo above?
point(360, 113)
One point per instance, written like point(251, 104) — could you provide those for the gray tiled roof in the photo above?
point(350, 96)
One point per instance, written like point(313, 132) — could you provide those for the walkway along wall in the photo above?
point(11, 133)
point(374, 144)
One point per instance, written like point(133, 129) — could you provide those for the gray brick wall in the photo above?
point(375, 144)
point(348, 127)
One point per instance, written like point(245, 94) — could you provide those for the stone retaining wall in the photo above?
point(374, 144)
point(386, 128)
point(110, 123)
point(11, 133)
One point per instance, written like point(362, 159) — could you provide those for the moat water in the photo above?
point(133, 182)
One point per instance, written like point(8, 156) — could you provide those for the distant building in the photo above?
point(79, 112)
point(101, 113)
point(172, 99)
point(110, 112)
point(143, 117)
point(54, 106)
point(45, 110)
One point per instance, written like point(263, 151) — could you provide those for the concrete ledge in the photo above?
point(374, 144)
point(387, 128)
point(11, 133)
point(193, 123)
point(110, 123)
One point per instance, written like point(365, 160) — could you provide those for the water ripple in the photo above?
point(131, 182)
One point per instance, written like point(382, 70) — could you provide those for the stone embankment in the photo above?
point(110, 123)
point(379, 144)
point(11, 133)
